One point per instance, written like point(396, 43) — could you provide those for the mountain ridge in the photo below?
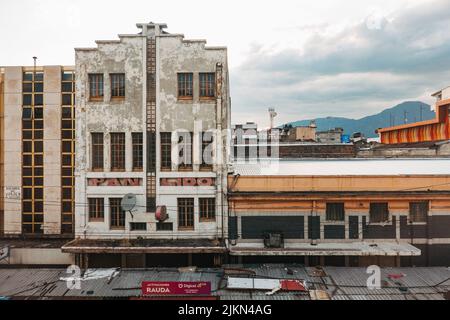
point(415, 112)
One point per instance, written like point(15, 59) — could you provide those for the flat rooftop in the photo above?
point(344, 167)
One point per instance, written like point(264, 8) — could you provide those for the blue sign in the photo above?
point(345, 138)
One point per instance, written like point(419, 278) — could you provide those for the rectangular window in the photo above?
point(185, 90)
point(96, 209)
point(418, 211)
point(207, 208)
point(96, 86)
point(138, 226)
point(117, 214)
point(186, 213)
point(335, 212)
point(379, 212)
point(207, 150)
point(117, 85)
point(164, 226)
point(185, 150)
point(138, 151)
point(117, 151)
point(97, 151)
point(166, 150)
point(207, 85)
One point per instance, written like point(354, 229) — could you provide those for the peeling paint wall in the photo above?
point(129, 56)
point(108, 116)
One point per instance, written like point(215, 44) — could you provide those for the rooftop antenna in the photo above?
point(34, 68)
point(272, 115)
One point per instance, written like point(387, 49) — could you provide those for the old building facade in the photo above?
point(341, 212)
point(151, 112)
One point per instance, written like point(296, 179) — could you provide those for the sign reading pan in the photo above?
point(115, 182)
point(187, 182)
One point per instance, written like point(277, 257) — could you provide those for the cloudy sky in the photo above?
point(305, 58)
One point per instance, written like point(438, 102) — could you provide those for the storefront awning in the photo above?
point(327, 249)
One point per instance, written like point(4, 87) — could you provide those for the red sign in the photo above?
point(115, 182)
point(154, 288)
point(187, 182)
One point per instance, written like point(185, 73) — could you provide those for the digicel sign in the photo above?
point(154, 288)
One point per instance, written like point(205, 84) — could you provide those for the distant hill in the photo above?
point(368, 125)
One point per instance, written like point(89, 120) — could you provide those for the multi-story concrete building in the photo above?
point(37, 160)
point(151, 111)
point(341, 212)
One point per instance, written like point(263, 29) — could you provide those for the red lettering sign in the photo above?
point(187, 182)
point(154, 288)
point(115, 182)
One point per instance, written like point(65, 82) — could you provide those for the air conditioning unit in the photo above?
point(274, 240)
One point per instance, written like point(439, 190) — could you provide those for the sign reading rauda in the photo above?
point(175, 288)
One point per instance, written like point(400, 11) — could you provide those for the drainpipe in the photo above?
point(219, 145)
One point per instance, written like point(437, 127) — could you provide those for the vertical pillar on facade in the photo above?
point(220, 159)
point(12, 161)
point(52, 150)
point(1, 156)
point(151, 123)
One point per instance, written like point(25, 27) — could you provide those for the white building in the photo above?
point(136, 99)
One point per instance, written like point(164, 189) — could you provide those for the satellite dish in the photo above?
point(128, 202)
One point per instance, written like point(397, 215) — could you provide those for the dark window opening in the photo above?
point(335, 212)
point(379, 212)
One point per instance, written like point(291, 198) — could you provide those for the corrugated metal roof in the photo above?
point(340, 283)
point(368, 167)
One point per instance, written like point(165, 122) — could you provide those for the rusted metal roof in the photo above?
point(335, 283)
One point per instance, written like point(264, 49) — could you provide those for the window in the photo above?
point(185, 86)
point(335, 212)
point(117, 85)
point(151, 204)
point(186, 213)
point(96, 86)
point(97, 151)
point(32, 153)
point(207, 85)
point(117, 151)
point(96, 209)
point(164, 226)
point(138, 150)
point(207, 150)
point(418, 211)
point(185, 150)
point(117, 214)
point(207, 208)
point(379, 212)
point(166, 150)
point(138, 226)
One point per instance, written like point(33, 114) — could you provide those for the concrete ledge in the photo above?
point(327, 249)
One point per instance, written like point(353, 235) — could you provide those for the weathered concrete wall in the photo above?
point(52, 150)
point(39, 256)
point(129, 56)
point(177, 55)
point(2, 146)
point(108, 116)
point(13, 149)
